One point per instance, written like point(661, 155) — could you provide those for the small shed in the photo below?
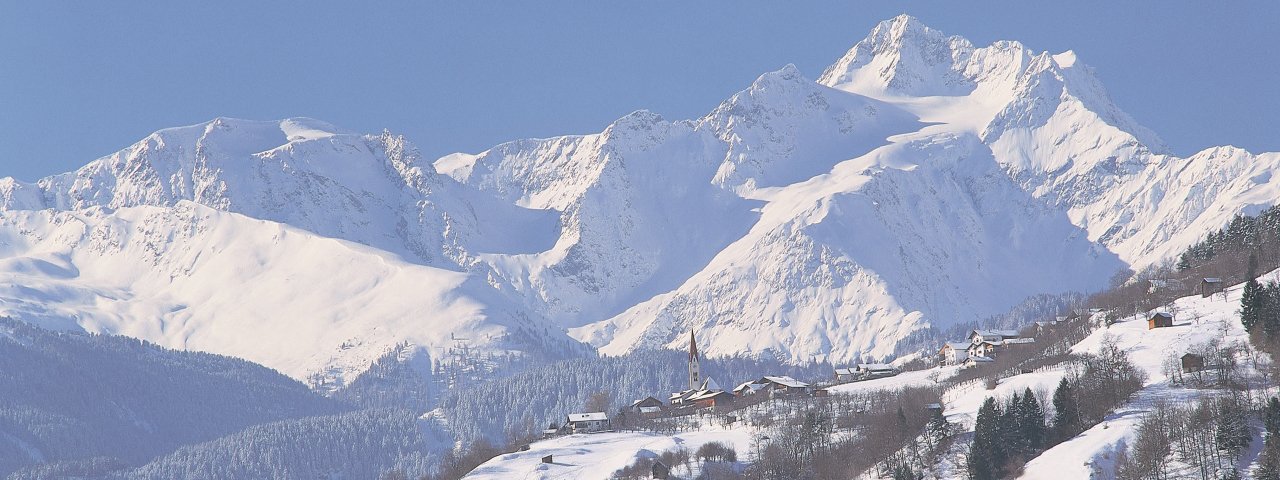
point(1192, 362)
point(1210, 286)
point(1160, 320)
point(661, 470)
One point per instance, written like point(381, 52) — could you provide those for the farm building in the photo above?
point(1160, 320)
point(1192, 362)
point(1210, 286)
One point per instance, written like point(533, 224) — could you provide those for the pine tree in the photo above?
point(1184, 262)
point(938, 426)
point(1066, 415)
point(1270, 310)
point(986, 455)
point(1031, 421)
point(1252, 299)
point(1010, 428)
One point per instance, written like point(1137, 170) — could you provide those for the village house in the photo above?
point(1210, 286)
point(1160, 320)
point(646, 405)
point(988, 348)
point(747, 388)
point(983, 349)
point(845, 375)
point(875, 370)
point(953, 353)
point(1192, 363)
point(993, 336)
point(711, 398)
point(782, 385)
point(974, 361)
point(588, 422)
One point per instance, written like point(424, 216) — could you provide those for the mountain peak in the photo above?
point(902, 55)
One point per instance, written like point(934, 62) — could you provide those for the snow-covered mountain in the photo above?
point(919, 181)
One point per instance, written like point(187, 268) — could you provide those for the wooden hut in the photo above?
point(1160, 320)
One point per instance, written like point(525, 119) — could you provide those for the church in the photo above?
point(702, 392)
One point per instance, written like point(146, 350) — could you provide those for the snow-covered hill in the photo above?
point(1091, 454)
point(920, 181)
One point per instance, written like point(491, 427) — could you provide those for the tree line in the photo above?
point(1007, 436)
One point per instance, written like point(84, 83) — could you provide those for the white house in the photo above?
point(979, 336)
point(954, 353)
point(588, 422)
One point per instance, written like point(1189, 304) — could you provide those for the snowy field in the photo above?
point(915, 378)
point(598, 455)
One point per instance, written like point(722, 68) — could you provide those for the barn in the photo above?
point(1210, 286)
point(1192, 362)
point(1160, 320)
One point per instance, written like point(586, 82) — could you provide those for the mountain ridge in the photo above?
point(920, 181)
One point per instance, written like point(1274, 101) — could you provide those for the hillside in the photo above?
point(68, 398)
point(1201, 323)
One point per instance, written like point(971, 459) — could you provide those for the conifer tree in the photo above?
point(1031, 422)
point(1252, 299)
point(1066, 415)
point(986, 455)
point(1270, 310)
point(1010, 428)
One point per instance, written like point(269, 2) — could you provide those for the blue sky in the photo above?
point(81, 80)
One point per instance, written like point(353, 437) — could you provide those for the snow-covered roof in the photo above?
point(1011, 341)
point(642, 400)
point(710, 384)
point(995, 333)
point(650, 409)
point(980, 359)
point(875, 367)
point(1212, 280)
point(588, 417)
point(705, 394)
point(752, 386)
point(957, 345)
point(785, 381)
point(1162, 314)
point(844, 371)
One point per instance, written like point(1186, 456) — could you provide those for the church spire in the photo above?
point(695, 367)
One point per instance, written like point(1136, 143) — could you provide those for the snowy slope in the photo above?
point(195, 278)
point(1089, 455)
point(597, 456)
point(920, 181)
point(1050, 124)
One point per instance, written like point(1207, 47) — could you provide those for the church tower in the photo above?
point(695, 368)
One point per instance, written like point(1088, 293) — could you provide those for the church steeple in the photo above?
point(695, 367)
